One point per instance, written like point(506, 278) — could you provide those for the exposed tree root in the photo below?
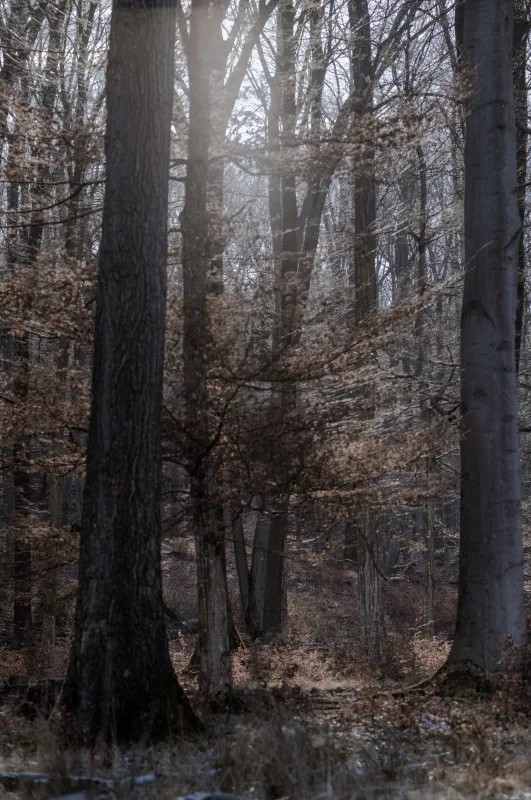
point(230, 702)
point(158, 713)
point(426, 683)
point(464, 680)
point(453, 680)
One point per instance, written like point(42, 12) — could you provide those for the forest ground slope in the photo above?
point(317, 721)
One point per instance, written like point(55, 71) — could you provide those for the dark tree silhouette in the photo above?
point(490, 612)
point(120, 680)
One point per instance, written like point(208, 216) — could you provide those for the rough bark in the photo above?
point(120, 680)
point(490, 612)
point(16, 361)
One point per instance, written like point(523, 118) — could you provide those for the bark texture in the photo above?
point(120, 680)
point(490, 614)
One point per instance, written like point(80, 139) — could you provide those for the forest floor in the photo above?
point(345, 741)
point(317, 723)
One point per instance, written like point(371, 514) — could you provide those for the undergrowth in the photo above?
point(319, 721)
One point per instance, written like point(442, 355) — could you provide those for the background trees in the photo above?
point(316, 261)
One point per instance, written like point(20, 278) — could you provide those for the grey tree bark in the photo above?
point(201, 278)
point(369, 543)
point(520, 35)
point(490, 613)
point(120, 680)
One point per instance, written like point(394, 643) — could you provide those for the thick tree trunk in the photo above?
point(120, 680)
point(266, 611)
point(490, 612)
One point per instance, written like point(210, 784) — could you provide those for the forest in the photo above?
point(265, 399)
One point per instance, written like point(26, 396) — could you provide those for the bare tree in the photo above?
point(212, 95)
point(120, 679)
point(490, 614)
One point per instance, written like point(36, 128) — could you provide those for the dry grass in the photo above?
point(320, 722)
point(340, 744)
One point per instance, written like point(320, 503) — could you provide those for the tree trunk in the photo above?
point(370, 585)
point(59, 506)
point(490, 611)
point(120, 680)
point(240, 558)
point(363, 276)
point(295, 237)
point(255, 612)
point(429, 571)
point(520, 34)
point(275, 594)
point(22, 589)
point(268, 606)
point(420, 370)
point(202, 280)
point(22, 550)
